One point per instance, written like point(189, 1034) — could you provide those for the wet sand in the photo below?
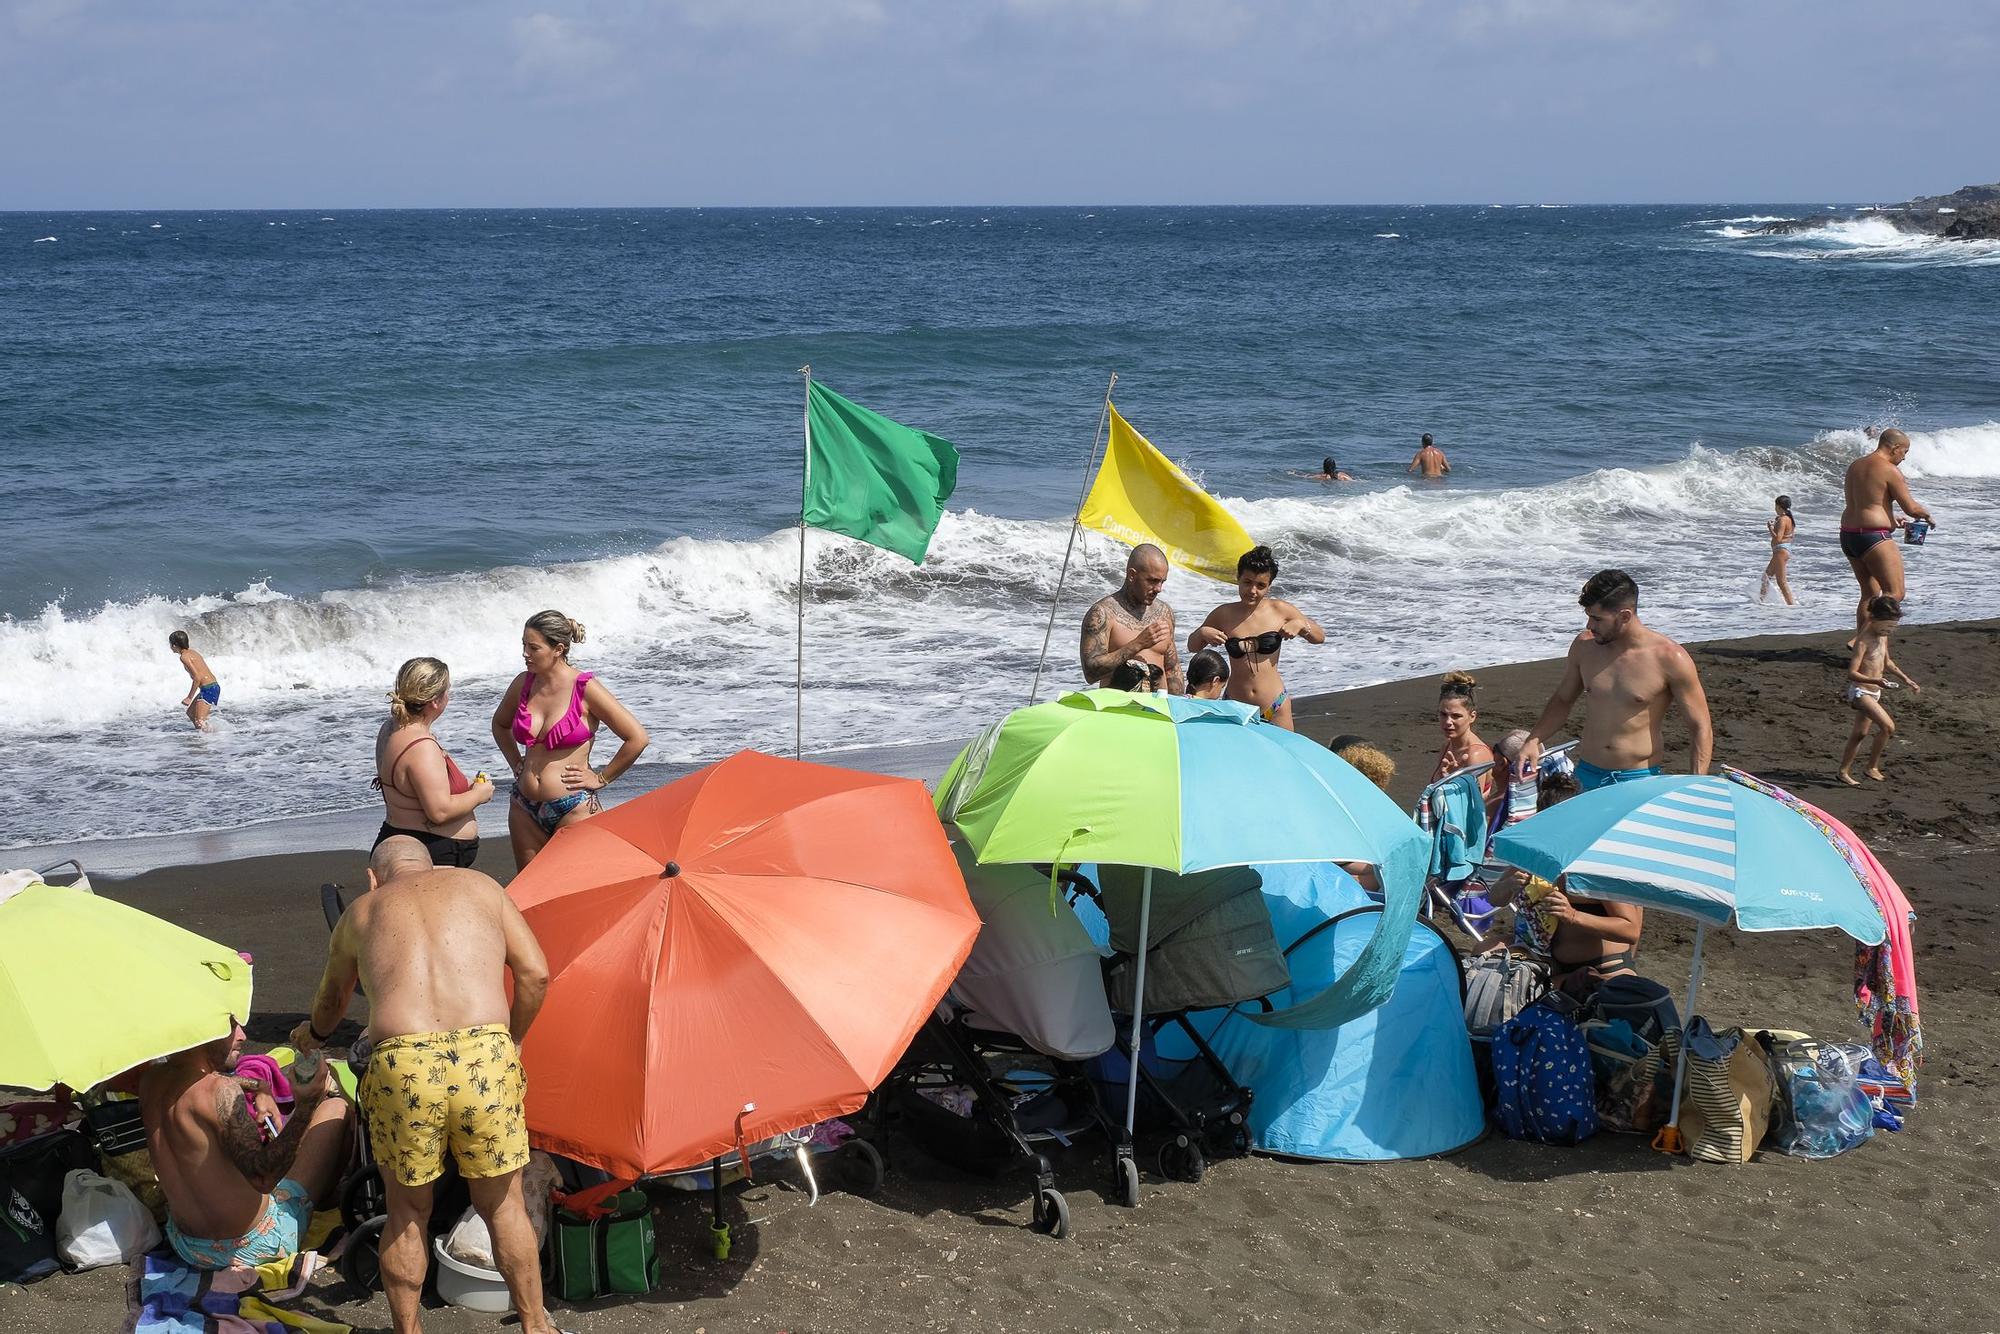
point(1902, 1234)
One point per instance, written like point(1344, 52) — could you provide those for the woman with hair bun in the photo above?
point(1458, 713)
point(425, 795)
point(545, 726)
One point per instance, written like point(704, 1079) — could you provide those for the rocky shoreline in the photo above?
point(1968, 214)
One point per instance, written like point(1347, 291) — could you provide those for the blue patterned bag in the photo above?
point(1543, 1084)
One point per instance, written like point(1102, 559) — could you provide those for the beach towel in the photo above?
point(1457, 824)
point(1885, 975)
point(169, 1297)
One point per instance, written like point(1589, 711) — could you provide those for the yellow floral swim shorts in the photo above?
point(462, 1090)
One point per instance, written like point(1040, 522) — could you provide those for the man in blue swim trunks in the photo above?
point(1632, 675)
point(237, 1194)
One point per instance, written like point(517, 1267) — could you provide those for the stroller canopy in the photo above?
point(1033, 972)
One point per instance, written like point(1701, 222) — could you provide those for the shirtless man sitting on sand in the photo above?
point(1632, 674)
point(1134, 623)
point(1429, 460)
point(433, 946)
point(235, 1197)
point(1875, 487)
point(1253, 630)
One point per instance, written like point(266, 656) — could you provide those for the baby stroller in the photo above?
point(1212, 947)
point(995, 1076)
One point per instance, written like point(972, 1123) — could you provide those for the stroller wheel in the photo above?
point(1128, 1182)
point(1181, 1160)
point(861, 1167)
point(361, 1261)
point(1051, 1213)
point(362, 1196)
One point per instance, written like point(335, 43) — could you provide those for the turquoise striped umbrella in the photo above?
point(1704, 847)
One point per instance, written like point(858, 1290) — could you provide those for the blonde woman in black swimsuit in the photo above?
point(426, 796)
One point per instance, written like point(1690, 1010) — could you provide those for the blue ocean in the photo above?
point(325, 442)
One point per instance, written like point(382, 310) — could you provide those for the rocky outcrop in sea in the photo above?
point(1970, 214)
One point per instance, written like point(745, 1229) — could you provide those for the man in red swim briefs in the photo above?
point(1875, 484)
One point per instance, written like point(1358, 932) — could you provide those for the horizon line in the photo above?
point(835, 208)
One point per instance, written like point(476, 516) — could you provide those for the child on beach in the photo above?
point(1207, 675)
point(1865, 682)
point(204, 691)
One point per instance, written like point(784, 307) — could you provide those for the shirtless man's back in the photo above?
point(235, 1196)
point(1133, 623)
point(1631, 674)
point(434, 946)
point(1875, 488)
point(1429, 461)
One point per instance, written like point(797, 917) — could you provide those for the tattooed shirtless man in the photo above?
point(1133, 623)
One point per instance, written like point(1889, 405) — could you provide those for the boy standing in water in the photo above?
point(1864, 687)
point(204, 691)
point(1253, 630)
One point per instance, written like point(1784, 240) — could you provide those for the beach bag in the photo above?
point(600, 1257)
point(1499, 986)
point(1543, 1087)
point(1822, 1109)
point(102, 1223)
point(31, 1189)
point(1726, 1106)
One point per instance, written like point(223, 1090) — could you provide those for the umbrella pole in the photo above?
point(1138, 1003)
point(1669, 1139)
point(1089, 466)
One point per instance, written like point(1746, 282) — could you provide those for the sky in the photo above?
point(453, 103)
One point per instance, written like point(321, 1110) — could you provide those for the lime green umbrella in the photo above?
point(90, 988)
point(1185, 786)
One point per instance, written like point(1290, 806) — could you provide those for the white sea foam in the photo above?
point(39, 239)
point(1388, 236)
point(1871, 240)
point(696, 635)
point(1749, 217)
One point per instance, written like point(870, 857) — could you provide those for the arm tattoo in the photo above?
point(1096, 656)
point(1176, 679)
point(244, 1142)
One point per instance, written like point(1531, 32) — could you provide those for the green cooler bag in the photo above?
point(596, 1257)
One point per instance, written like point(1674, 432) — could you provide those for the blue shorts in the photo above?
point(274, 1236)
point(1589, 777)
point(210, 694)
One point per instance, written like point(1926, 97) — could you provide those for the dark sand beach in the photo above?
point(1903, 1234)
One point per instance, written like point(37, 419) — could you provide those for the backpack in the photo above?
point(1499, 986)
point(1544, 1090)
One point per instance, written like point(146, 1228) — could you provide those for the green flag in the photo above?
point(872, 478)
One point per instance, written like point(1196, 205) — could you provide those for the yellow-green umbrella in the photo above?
point(90, 988)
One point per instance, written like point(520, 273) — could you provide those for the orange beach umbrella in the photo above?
point(762, 933)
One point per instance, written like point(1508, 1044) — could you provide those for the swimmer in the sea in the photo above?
point(204, 691)
point(1329, 471)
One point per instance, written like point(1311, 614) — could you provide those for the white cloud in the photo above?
point(1597, 18)
point(558, 52)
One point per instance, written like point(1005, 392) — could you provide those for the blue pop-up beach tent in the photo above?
point(1397, 1082)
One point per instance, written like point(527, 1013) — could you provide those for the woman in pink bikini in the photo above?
point(426, 796)
point(545, 725)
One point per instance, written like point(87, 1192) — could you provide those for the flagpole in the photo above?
point(805, 486)
point(1089, 467)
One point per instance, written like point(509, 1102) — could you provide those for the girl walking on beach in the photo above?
point(424, 794)
point(1782, 527)
point(1457, 717)
point(545, 726)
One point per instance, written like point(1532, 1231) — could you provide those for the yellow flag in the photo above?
point(1140, 496)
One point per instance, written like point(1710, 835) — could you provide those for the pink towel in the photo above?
point(266, 1069)
point(1885, 975)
